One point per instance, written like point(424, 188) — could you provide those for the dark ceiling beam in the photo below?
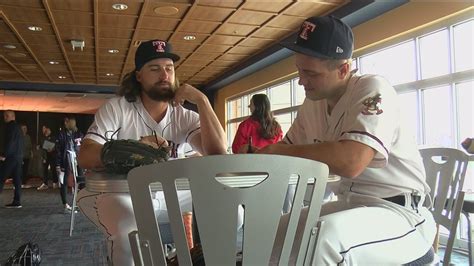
point(51, 87)
point(354, 13)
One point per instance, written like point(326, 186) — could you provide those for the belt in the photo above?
point(400, 200)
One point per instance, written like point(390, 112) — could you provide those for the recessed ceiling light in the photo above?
point(53, 62)
point(113, 51)
point(17, 54)
point(35, 28)
point(61, 77)
point(119, 6)
point(109, 74)
point(166, 10)
point(9, 46)
point(189, 37)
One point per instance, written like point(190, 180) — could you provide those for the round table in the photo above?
point(106, 182)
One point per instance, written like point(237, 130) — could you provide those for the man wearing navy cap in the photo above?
point(353, 124)
point(150, 110)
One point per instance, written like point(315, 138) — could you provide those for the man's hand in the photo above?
point(245, 149)
point(2, 158)
point(154, 141)
point(186, 92)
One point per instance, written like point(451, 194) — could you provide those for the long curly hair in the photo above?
point(269, 127)
point(130, 88)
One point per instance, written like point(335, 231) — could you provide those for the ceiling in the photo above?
point(42, 71)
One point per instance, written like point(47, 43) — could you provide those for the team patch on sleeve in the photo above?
point(372, 105)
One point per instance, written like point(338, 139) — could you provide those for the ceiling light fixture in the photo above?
point(119, 6)
point(61, 77)
point(35, 28)
point(166, 10)
point(78, 44)
point(9, 46)
point(109, 74)
point(189, 37)
point(53, 62)
point(113, 51)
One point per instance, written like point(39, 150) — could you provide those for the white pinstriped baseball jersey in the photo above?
point(178, 126)
point(368, 113)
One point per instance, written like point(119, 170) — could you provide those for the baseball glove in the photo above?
point(120, 156)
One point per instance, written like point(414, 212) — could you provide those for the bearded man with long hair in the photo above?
point(149, 108)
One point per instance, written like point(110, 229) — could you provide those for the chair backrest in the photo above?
point(71, 155)
point(216, 205)
point(445, 172)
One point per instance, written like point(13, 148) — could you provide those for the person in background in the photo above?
point(48, 143)
point(261, 128)
point(353, 124)
point(150, 110)
point(27, 155)
point(69, 139)
point(12, 157)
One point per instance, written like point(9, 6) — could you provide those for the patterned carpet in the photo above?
point(42, 220)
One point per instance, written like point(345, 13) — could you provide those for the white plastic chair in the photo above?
point(73, 165)
point(216, 204)
point(445, 172)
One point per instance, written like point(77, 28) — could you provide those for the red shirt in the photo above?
point(250, 127)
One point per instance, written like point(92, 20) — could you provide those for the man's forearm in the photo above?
point(213, 138)
point(89, 155)
point(345, 158)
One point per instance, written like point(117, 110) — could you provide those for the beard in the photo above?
point(161, 91)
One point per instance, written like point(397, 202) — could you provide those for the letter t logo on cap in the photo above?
point(159, 46)
point(306, 27)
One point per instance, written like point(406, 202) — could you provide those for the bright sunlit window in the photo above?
point(387, 63)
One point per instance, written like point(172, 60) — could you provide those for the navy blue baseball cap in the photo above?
point(323, 37)
point(153, 49)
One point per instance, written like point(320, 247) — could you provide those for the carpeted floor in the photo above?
point(42, 220)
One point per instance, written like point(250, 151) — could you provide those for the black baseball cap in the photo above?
point(323, 37)
point(153, 49)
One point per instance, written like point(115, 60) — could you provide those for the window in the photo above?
point(438, 116)
point(285, 121)
point(234, 108)
point(465, 109)
point(388, 63)
point(463, 43)
point(299, 92)
point(280, 96)
point(409, 111)
point(434, 54)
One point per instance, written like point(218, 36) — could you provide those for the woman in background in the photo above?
point(69, 139)
point(259, 130)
